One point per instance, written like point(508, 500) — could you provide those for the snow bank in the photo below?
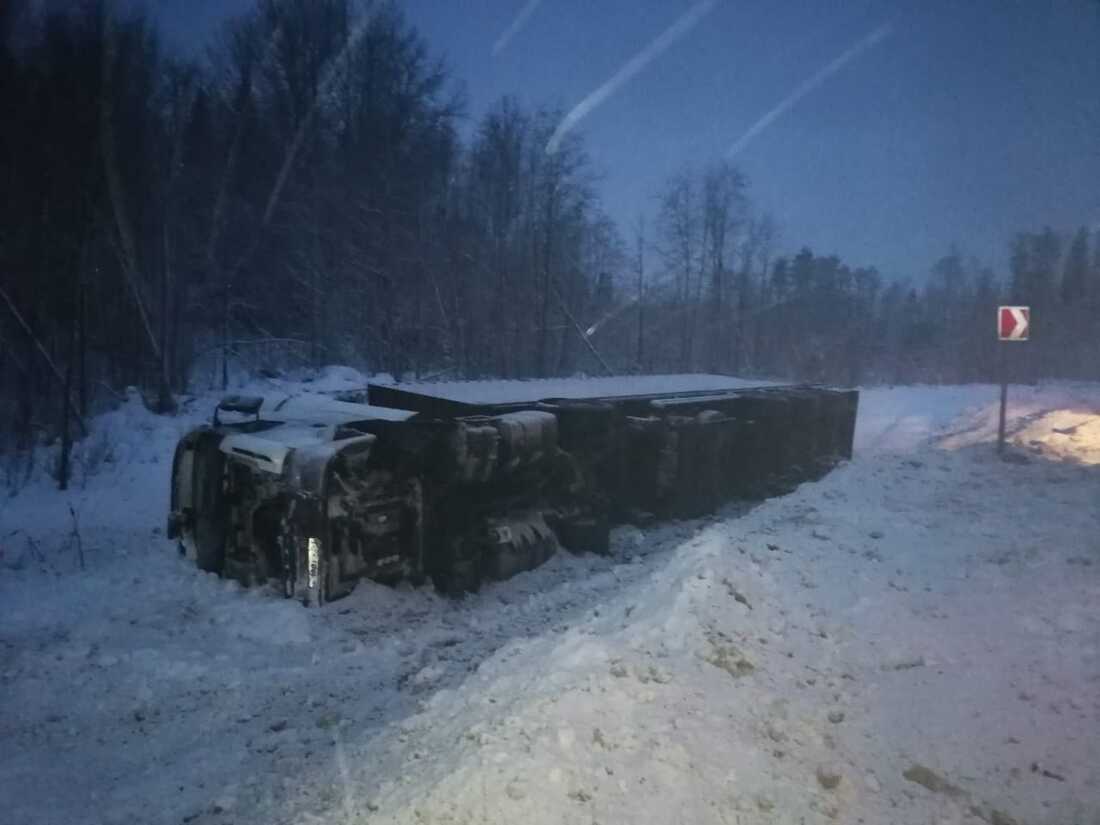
point(120, 474)
point(903, 419)
point(331, 379)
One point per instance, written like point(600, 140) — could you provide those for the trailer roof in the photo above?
point(529, 391)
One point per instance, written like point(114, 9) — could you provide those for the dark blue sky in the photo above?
point(973, 119)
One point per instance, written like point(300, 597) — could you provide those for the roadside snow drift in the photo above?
point(913, 639)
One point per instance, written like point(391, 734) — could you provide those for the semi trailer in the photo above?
point(470, 481)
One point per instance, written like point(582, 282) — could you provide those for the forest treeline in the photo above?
point(310, 191)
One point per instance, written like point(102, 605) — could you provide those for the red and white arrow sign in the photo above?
point(1013, 323)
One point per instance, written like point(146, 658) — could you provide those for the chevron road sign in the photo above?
point(1013, 323)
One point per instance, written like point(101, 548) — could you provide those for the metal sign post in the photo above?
point(1013, 324)
point(1004, 399)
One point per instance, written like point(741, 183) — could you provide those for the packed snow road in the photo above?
point(913, 639)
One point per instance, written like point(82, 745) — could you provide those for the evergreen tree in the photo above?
point(1075, 276)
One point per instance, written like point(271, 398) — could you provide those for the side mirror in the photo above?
point(244, 404)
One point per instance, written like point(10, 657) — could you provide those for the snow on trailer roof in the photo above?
point(317, 408)
point(530, 390)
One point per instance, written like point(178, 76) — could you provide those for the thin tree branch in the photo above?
point(42, 350)
point(576, 325)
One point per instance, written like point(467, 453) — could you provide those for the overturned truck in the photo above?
point(467, 481)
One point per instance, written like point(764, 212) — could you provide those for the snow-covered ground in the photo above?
point(913, 639)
